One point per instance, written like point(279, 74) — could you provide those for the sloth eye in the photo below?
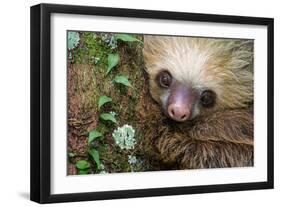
point(208, 98)
point(164, 79)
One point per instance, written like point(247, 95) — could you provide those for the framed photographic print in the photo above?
point(132, 103)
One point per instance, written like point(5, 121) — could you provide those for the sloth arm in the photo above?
point(223, 139)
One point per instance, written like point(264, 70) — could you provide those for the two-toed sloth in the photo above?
point(203, 114)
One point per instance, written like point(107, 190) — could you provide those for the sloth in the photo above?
point(197, 111)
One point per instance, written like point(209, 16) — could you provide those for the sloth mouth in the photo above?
point(183, 125)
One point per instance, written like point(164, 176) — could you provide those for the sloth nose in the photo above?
point(178, 112)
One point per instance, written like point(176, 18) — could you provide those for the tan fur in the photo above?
point(218, 137)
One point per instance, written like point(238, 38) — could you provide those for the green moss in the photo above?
point(91, 49)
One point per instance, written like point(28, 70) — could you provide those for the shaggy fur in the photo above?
point(221, 136)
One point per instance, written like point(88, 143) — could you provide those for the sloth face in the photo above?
point(180, 101)
point(189, 76)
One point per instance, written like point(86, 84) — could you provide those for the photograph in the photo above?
point(140, 102)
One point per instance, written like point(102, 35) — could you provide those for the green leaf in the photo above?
point(71, 154)
point(83, 172)
point(113, 60)
point(127, 38)
point(93, 135)
point(108, 117)
point(122, 80)
point(82, 164)
point(95, 155)
point(103, 100)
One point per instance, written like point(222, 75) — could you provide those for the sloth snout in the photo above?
point(178, 112)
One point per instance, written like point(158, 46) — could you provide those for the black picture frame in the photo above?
point(41, 95)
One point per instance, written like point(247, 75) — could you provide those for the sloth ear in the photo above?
point(153, 51)
point(148, 38)
point(153, 43)
point(149, 42)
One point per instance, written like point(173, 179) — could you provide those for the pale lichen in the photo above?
point(124, 137)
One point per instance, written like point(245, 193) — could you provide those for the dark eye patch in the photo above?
point(164, 79)
point(208, 98)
